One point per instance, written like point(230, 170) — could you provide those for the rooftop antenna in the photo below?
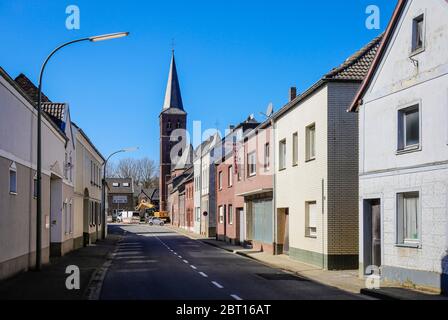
point(269, 111)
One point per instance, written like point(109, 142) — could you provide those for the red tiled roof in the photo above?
point(357, 66)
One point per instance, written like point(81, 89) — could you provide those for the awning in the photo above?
point(255, 192)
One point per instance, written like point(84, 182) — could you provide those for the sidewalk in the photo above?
point(347, 280)
point(49, 284)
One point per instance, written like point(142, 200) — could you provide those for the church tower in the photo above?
point(172, 117)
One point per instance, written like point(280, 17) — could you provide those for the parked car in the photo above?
point(155, 221)
point(117, 216)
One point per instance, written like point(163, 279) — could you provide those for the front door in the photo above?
point(376, 233)
point(286, 233)
point(372, 234)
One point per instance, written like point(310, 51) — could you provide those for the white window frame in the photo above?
point(267, 156)
point(295, 149)
point(415, 51)
point(126, 184)
point(401, 241)
point(230, 176)
point(282, 154)
point(221, 214)
point(309, 233)
point(401, 127)
point(115, 184)
point(220, 180)
point(252, 164)
point(310, 145)
point(13, 169)
point(230, 214)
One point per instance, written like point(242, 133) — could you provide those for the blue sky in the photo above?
point(233, 57)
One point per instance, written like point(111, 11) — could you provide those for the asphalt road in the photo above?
point(155, 263)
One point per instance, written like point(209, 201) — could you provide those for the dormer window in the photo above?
point(418, 33)
point(115, 184)
point(126, 184)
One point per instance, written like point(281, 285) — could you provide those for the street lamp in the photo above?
point(103, 191)
point(39, 138)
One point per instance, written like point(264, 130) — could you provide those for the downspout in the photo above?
point(274, 189)
point(323, 224)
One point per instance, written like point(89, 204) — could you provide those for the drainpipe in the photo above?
point(323, 224)
point(274, 189)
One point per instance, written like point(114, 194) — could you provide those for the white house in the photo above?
point(204, 187)
point(316, 179)
point(18, 123)
point(403, 156)
point(88, 187)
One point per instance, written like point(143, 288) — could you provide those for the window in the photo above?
point(66, 166)
point(71, 168)
point(13, 178)
point(115, 184)
point(220, 180)
point(230, 215)
point(221, 214)
point(230, 176)
point(35, 186)
point(65, 215)
point(418, 33)
point(295, 149)
point(408, 219)
point(282, 155)
point(311, 142)
point(126, 184)
point(91, 172)
point(168, 125)
point(267, 157)
point(70, 206)
point(252, 164)
point(311, 219)
point(198, 214)
point(178, 124)
point(409, 128)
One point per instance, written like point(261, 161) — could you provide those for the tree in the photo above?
point(142, 171)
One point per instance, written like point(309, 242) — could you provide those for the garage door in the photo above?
point(262, 221)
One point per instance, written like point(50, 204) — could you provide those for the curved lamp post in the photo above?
point(39, 137)
point(103, 191)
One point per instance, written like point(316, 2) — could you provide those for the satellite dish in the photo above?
point(270, 110)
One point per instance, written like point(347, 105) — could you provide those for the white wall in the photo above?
point(296, 185)
point(384, 172)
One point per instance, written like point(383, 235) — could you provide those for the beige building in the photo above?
point(316, 161)
point(88, 187)
point(18, 131)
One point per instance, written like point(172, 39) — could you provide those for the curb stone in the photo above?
point(95, 285)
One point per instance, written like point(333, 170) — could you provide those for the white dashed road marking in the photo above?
point(185, 261)
point(193, 267)
point(234, 296)
point(203, 274)
point(217, 284)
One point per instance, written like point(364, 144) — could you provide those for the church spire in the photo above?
point(173, 98)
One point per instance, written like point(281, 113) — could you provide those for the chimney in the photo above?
point(292, 93)
point(231, 127)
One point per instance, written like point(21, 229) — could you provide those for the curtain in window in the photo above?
point(410, 218)
point(420, 34)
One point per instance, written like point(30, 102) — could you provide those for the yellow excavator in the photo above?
point(148, 210)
